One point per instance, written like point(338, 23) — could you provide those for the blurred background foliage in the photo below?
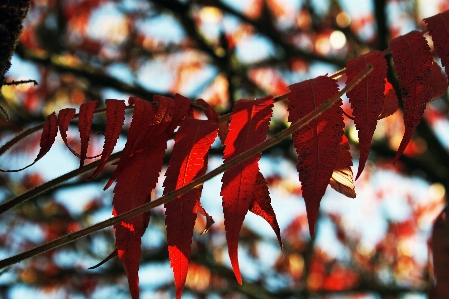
point(374, 246)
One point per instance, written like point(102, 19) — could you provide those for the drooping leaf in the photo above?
point(138, 178)
point(391, 103)
point(261, 205)
point(248, 127)
point(413, 65)
point(86, 115)
point(342, 176)
point(366, 99)
point(115, 116)
point(64, 117)
point(438, 26)
point(48, 136)
point(439, 82)
point(317, 143)
point(188, 161)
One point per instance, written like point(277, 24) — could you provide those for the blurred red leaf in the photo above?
point(440, 248)
point(366, 99)
point(413, 65)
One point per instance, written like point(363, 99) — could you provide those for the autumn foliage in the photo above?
point(321, 146)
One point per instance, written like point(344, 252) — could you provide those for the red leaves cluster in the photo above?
point(323, 151)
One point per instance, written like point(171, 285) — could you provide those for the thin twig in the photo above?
point(5, 114)
point(195, 183)
point(52, 184)
point(21, 82)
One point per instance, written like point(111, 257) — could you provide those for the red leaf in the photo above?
point(261, 205)
point(141, 122)
point(413, 65)
point(366, 99)
point(48, 136)
point(391, 103)
point(84, 124)
point(438, 26)
point(64, 118)
point(317, 144)
point(139, 177)
point(342, 177)
point(248, 127)
point(439, 82)
point(440, 244)
point(115, 116)
point(188, 162)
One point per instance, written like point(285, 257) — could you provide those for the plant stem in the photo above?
point(195, 183)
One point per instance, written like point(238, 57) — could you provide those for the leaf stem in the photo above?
point(195, 183)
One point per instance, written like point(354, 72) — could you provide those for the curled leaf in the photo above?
point(209, 220)
point(65, 116)
point(342, 177)
point(48, 136)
